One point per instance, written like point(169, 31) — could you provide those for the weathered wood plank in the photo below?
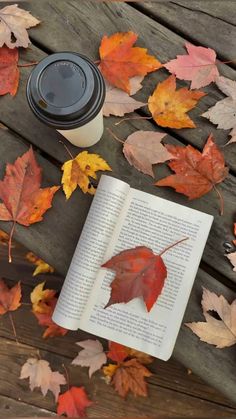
point(13, 356)
point(10, 408)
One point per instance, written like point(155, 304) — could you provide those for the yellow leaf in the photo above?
point(76, 172)
point(39, 298)
point(109, 371)
point(42, 267)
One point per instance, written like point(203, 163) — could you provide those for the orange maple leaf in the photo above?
point(196, 173)
point(44, 316)
point(24, 202)
point(9, 298)
point(9, 72)
point(121, 61)
point(168, 106)
point(73, 402)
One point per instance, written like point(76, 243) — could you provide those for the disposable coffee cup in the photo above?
point(66, 91)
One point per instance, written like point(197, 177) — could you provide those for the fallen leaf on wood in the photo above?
point(14, 20)
point(45, 319)
point(73, 402)
point(4, 238)
point(41, 375)
point(196, 173)
point(40, 298)
point(117, 352)
point(41, 266)
point(142, 149)
point(221, 333)
point(232, 259)
point(9, 72)
point(92, 356)
point(168, 106)
point(76, 172)
point(135, 84)
point(128, 376)
point(120, 60)
point(118, 103)
point(223, 113)
point(199, 66)
point(24, 202)
point(9, 298)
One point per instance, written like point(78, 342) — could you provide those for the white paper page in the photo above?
point(89, 254)
point(155, 223)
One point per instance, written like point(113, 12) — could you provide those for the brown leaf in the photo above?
point(9, 298)
point(9, 72)
point(130, 376)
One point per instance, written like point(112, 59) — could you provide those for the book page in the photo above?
point(98, 229)
point(156, 223)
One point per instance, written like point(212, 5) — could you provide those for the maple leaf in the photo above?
point(117, 102)
point(77, 172)
point(40, 298)
point(168, 106)
point(9, 72)
point(73, 402)
point(120, 60)
point(117, 352)
point(142, 149)
point(129, 376)
point(14, 20)
point(45, 319)
point(199, 66)
point(196, 173)
point(92, 356)
point(221, 333)
point(24, 202)
point(9, 298)
point(223, 112)
point(41, 266)
point(41, 375)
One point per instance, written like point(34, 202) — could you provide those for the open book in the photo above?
point(120, 218)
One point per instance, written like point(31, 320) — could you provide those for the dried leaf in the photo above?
point(77, 172)
point(196, 173)
point(142, 149)
point(41, 266)
point(118, 102)
point(9, 72)
point(143, 358)
point(40, 298)
point(92, 356)
point(14, 20)
point(41, 375)
point(73, 402)
point(223, 113)
point(120, 60)
point(45, 319)
point(168, 106)
point(221, 333)
point(199, 66)
point(9, 298)
point(117, 352)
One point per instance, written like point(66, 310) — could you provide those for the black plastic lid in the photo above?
point(66, 90)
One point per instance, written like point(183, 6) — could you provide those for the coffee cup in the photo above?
point(66, 91)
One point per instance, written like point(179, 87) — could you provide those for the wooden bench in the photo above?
point(163, 28)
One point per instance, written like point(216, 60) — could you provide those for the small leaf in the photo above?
point(9, 298)
point(41, 266)
point(9, 72)
point(92, 356)
point(118, 103)
point(40, 298)
point(73, 402)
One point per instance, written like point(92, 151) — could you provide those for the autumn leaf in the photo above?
point(76, 172)
point(120, 60)
point(142, 149)
point(142, 357)
point(168, 106)
point(199, 66)
point(118, 103)
point(223, 112)
point(9, 72)
point(10, 299)
point(15, 21)
point(219, 332)
point(92, 356)
point(117, 352)
point(41, 266)
point(4, 238)
point(24, 202)
point(45, 319)
point(41, 375)
point(73, 402)
point(129, 376)
point(40, 299)
point(196, 173)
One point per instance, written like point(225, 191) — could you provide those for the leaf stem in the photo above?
point(10, 242)
point(13, 327)
point(114, 135)
point(67, 376)
point(221, 200)
point(67, 149)
point(135, 117)
point(28, 64)
point(172, 245)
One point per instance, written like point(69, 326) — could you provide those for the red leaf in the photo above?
point(139, 273)
point(73, 402)
point(117, 352)
point(9, 298)
point(45, 319)
point(9, 72)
